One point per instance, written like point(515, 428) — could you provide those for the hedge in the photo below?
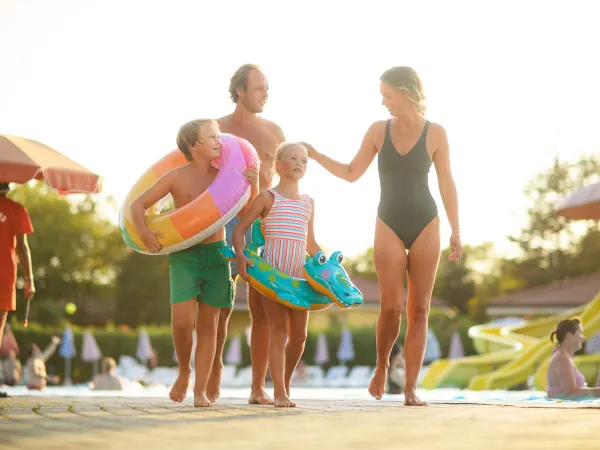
point(115, 342)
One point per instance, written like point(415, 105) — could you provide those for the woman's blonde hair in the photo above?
point(281, 149)
point(188, 135)
point(406, 79)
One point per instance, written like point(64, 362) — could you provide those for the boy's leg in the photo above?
point(207, 320)
point(182, 327)
point(297, 333)
point(214, 381)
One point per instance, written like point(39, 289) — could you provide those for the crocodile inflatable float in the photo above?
point(326, 283)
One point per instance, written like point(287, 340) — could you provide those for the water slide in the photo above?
point(509, 353)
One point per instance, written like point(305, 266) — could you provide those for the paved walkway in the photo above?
point(45, 423)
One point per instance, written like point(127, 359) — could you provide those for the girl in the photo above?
point(288, 218)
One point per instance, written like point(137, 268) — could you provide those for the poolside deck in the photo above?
point(125, 423)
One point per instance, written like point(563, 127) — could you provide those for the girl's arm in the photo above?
point(360, 163)
point(311, 243)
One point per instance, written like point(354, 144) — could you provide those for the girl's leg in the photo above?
point(297, 332)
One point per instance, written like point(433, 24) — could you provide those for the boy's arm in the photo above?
point(311, 243)
point(139, 206)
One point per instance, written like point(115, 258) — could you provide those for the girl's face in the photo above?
point(293, 162)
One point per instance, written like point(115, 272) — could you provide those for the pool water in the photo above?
point(433, 396)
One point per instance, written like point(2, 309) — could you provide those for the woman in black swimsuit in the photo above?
point(407, 232)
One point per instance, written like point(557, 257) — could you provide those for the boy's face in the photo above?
point(208, 146)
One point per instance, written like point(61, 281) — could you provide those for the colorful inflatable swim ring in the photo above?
point(182, 228)
point(326, 283)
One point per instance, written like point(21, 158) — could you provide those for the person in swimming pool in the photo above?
point(407, 231)
point(564, 379)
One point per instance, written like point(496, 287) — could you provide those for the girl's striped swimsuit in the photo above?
point(286, 230)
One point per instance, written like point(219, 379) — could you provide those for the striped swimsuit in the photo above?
point(285, 230)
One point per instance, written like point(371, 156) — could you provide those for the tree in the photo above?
point(549, 243)
point(142, 293)
point(74, 248)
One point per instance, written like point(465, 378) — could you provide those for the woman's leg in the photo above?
point(423, 259)
point(277, 315)
point(297, 333)
point(390, 264)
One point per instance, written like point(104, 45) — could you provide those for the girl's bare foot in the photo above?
point(214, 381)
point(179, 388)
point(201, 400)
point(283, 401)
point(377, 385)
point(259, 397)
point(411, 399)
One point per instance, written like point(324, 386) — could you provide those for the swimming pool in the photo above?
point(444, 395)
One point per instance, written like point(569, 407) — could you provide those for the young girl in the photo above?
point(288, 218)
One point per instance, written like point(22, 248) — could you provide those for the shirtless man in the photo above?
point(249, 91)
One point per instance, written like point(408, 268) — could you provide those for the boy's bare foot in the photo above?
point(259, 397)
point(201, 400)
point(411, 399)
point(179, 389)
point(283, 401)
point(377, 385)
point(214, 382)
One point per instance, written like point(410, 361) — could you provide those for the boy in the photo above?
point(200, 278)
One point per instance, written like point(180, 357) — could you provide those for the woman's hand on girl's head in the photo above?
point(312, 152)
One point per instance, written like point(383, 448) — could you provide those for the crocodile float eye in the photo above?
point(322, 259)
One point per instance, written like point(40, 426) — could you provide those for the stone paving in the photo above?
point(127, 423)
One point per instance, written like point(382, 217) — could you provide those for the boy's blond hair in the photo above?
point(188, 135)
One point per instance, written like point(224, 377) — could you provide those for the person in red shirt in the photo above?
point(15, 225)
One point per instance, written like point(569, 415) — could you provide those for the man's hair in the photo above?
point(188, 135)
point(4, 188)
point(240, 80)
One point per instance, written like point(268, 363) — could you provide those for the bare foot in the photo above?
point(377, 385)
point(214, 381)
point(411, 399)
point(260, 397)
point(283, 401)
point(179, 389)
point(201, 400)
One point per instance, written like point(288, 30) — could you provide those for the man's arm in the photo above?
point(25, 260)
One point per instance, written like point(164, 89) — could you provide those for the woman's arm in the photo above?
point(441, 159)
point(311, 243)
point(358, 166)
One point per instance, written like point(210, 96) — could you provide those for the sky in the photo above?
point(514, 83)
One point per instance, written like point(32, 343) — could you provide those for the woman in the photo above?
point(564, 380)
point(407, 231)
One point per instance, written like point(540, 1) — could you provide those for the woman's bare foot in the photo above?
point(179, 388)
point(259, 397)
point(201, 400)
point(214, 382)
point(283, 401)
point(377, 385)
point(411, 399)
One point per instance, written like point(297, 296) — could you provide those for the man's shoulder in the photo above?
point(11, 204)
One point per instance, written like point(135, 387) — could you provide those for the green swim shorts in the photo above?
point(201, 272)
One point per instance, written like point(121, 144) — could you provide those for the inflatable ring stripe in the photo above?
point(182, 228)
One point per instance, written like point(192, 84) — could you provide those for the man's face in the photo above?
point(256, 93)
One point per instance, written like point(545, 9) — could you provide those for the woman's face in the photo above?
point(395, 100)
point(576, 339)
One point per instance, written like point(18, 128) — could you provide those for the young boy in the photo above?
point(200, 278)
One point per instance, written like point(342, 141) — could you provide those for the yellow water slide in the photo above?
point(529, 360)
point(498, 346)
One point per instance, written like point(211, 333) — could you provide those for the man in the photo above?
point(15, 225)
point(249, 91)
